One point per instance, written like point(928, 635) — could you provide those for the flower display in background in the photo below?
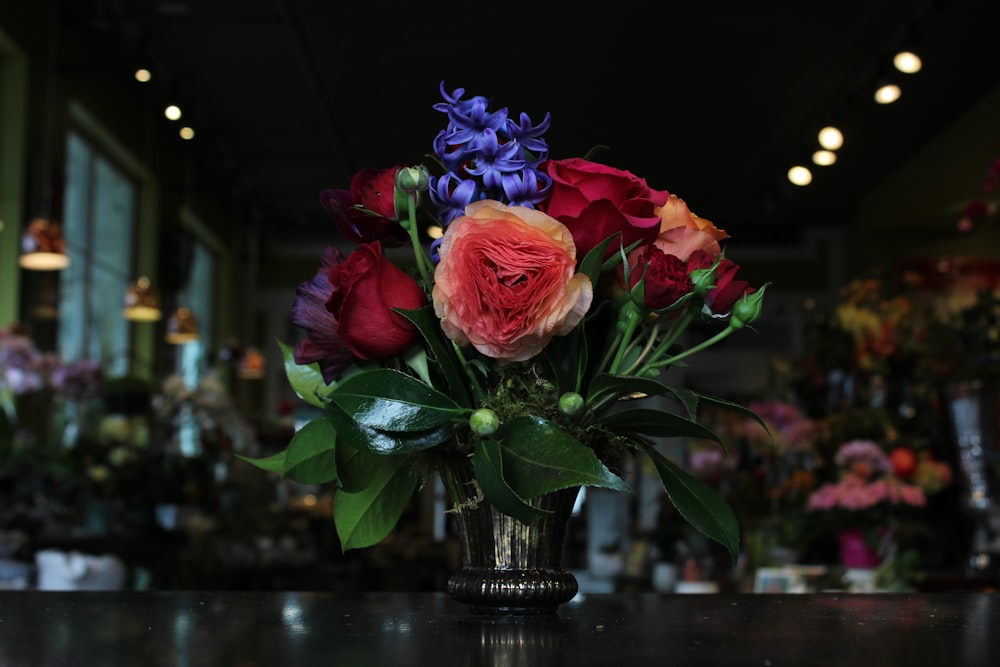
point(561, 290)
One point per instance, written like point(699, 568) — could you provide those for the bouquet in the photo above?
point(558, 293)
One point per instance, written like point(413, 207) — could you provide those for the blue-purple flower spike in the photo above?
point(487, 155)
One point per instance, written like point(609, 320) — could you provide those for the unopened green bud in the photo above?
point(570, 403)
point(484, 422)
point(747, 309)
point(703, 281)
point(412, 179)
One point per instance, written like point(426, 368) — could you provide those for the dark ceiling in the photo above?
point(712, 101)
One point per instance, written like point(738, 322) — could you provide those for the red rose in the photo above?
point(727, 290)
point(667, 277)
point(367, 212)
point(594, 201)
point(366, 286)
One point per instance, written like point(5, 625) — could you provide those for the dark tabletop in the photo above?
point(398, 629)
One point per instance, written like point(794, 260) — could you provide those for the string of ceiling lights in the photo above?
point(830, 138)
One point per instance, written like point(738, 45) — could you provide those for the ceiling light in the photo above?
point(907, 62)
point(800, 175)
point(172, 112)
point(187, 132)
point(824, 158)
point(887, 93)
point(43, 247)
point(182, 327)
point(831, 138)
point(142, 303)
point(143, 75)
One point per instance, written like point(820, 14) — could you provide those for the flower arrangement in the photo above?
point(867, 489)
point(560, 290)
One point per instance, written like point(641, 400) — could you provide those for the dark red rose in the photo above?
point(727, 290)
point(365, 288)
point(322, 343)
point(367, 212)
point(667, 278)
point(594, 201)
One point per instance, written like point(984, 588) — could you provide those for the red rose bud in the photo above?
point(703, 281)
point(747, 309)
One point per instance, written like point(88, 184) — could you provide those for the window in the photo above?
point(98, 221)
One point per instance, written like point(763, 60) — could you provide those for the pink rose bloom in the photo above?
point(594, 201)
point(506, 282)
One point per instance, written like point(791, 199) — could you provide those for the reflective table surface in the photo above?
point(399, 629)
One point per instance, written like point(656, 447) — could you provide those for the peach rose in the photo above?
point(682, 232)
point(506, 282)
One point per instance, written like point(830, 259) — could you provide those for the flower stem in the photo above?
point(423, 261)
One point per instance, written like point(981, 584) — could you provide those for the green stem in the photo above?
point(423, 261)
point(697, 348)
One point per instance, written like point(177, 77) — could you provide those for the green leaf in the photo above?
point(487, 461)
point(386, 442)
point(698, 503)
point(389, 400)
point(441, 347)
point(736, 407)
point(626, 385)
point(539, 457)
point(366, 517)
point(310, 457)
point(591, 265)
point(306, 380)
point(357, 468)
point(273, 463)
point(656, 423)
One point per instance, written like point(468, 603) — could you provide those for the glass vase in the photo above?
point(508, 567)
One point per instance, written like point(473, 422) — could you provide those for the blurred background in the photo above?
point(174, 153)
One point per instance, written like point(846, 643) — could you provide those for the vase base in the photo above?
point(513, 591)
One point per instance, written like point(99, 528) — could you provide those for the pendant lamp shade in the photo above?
point(142, 303)
point(182, 327)
point(43, 247)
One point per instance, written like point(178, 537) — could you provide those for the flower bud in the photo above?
point(747, 309)
point(412, 179)
point(484, 422)
point(703, 280)
point(570, 404)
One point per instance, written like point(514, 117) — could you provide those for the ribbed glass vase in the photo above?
point(507, 566)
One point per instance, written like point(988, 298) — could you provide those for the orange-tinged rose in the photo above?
point(506, 282)
point(682, 232)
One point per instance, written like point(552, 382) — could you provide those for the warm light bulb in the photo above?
point(907, 62)
point(800, 175)
point(888, 93)
point(143, 75)
point(824, 158)
point(831, 138)
point(187, 132)
point(172, 112)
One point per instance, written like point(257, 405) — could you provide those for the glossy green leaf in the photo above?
point(306, 380)
point(389, 400)
point(310, 456)
point(273, 463)
point(539, 457)
point(698, 503)
point(365, 518)
point(592, 264)
point(386, 442)
point(443, 350)
point(656, 423)
point(487, 461)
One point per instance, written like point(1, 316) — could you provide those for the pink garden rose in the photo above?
point(367, 212)
point(594, 201)
point(506, 282)
point(366, 287)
